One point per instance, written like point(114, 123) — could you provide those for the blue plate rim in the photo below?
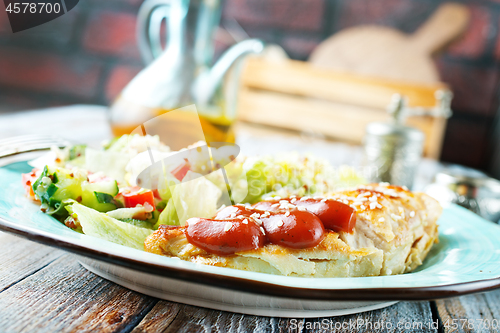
point(251, 285)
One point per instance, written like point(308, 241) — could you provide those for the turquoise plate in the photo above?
point(466, 260)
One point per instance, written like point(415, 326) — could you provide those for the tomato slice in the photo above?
point(224, 237)
point(135, 196)
point(180, 171)
point(156, 194)
point(296, 229)
point(335, 215)
point(98, 177)
point(28, 180)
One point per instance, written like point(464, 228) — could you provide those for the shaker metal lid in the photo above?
point(388, 129)
point(454, 175)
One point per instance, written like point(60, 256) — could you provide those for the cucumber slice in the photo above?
point(109, 187)
point(56, 185)
point(126, 213)
point(99, 196)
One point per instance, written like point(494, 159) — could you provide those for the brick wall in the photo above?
point(88, 55)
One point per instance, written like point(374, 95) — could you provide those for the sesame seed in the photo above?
point(287, 206)
point(228, 226)
point(293, 200)
point(283, 201)
point(379, 205)
point(381, 219)
point(363, 207)
point(275, 205)
point(277, 197)
point(280, 223)
point(233, 215)
point(301, 208)
point(412, 213)
point(324, 200)
point(262, 229)
point(373, 205)
point(287, 214)
point(245, 221)
point(395, 217)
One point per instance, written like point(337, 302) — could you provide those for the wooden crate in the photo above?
point(295, 95)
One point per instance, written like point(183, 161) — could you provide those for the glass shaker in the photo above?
point(468, 188)
point(392, 150)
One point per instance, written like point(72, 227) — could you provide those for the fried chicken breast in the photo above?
point(394, 231)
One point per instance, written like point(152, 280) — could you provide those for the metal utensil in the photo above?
point(29, 143)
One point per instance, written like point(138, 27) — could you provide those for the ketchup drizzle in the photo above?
point(291, 222)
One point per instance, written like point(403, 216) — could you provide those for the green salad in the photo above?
point(108, 192)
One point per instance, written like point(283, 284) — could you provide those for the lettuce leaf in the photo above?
point(105, 227)
point(168, 216)
point(196, 196)
point(111, 163)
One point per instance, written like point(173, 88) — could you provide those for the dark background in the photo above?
point(89, 54)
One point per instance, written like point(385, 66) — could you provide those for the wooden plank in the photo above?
point(170, 317)
point(433, 128)
point(472, 313)
point(301, 78)
point(410, 316)
point(196, 319)
point(65, 297)
point(159, 318)
point(345, 122)
point(20, 258)
point(335, 120)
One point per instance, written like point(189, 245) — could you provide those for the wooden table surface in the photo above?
point(43, 289)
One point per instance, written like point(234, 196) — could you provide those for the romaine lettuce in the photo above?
point(105, 227)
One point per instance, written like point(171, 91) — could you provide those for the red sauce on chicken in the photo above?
point(290, 222)
point(224, 236)
point(334, 214)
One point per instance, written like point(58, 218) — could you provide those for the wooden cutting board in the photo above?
point(388, 53)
